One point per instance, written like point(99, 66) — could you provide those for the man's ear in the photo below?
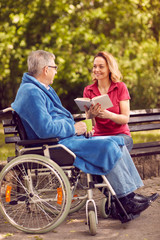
point(45, 70)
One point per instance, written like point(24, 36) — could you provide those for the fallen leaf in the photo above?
point(8, 235)
point(38, 238)
point(75, 221)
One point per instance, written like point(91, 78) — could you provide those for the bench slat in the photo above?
point(8, 122)
point(12, 139)
point(144, 127)
point(10, 130)
point(145, 151)
point(141, 112)
point(146, 145)
point(143, 119)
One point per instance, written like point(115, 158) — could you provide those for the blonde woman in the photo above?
point(107, 79)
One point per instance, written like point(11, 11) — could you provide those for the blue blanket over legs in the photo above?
point(96, 155)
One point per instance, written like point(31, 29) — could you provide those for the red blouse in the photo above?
point(117, 92)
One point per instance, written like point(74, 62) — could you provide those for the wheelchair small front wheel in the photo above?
point(92, 223)
point(105, 208)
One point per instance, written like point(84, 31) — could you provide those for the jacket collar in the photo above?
point(50, 92)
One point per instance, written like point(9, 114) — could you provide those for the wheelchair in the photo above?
point(39, 186)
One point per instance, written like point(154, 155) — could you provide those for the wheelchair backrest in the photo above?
point(19, 126)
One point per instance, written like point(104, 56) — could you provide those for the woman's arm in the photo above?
point(121, 118)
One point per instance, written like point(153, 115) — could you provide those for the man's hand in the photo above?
point(80, 128)
point(89, 134)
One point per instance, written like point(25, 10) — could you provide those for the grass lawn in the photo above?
point(146, 136)
point(7, 150)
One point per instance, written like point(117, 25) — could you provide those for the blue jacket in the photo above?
point(43, 116)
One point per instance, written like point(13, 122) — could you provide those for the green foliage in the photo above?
point(75, 31)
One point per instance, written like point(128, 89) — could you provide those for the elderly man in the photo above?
point(43, 116)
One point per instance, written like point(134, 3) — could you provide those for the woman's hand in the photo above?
point(121, 118)
point(93, 111)
point(104, 114)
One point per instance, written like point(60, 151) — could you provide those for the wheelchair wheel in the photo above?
point(35, 194)
point(105, 208)
point(79, 194)
point(78, 201)
point(92, 223)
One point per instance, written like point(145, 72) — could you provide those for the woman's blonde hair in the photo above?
point(115, 74)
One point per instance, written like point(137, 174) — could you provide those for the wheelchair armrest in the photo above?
point(37, 142)
point(6, 113)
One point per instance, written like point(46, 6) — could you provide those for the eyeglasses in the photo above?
point(55, 67)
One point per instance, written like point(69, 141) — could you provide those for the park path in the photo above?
point(145, 227)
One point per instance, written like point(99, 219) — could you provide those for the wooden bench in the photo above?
point(141, 120)
point(145, 154)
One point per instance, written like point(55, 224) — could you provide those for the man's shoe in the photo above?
point(142, 199)
point(134, 207)
point(153, 197)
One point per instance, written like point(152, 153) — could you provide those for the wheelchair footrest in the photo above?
point(128, 217)
point(122, 214)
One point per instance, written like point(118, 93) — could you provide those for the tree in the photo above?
point(75, 31)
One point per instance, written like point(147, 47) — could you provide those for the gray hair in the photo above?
point(37, 60)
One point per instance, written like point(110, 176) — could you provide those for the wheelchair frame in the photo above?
point(38, 191)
